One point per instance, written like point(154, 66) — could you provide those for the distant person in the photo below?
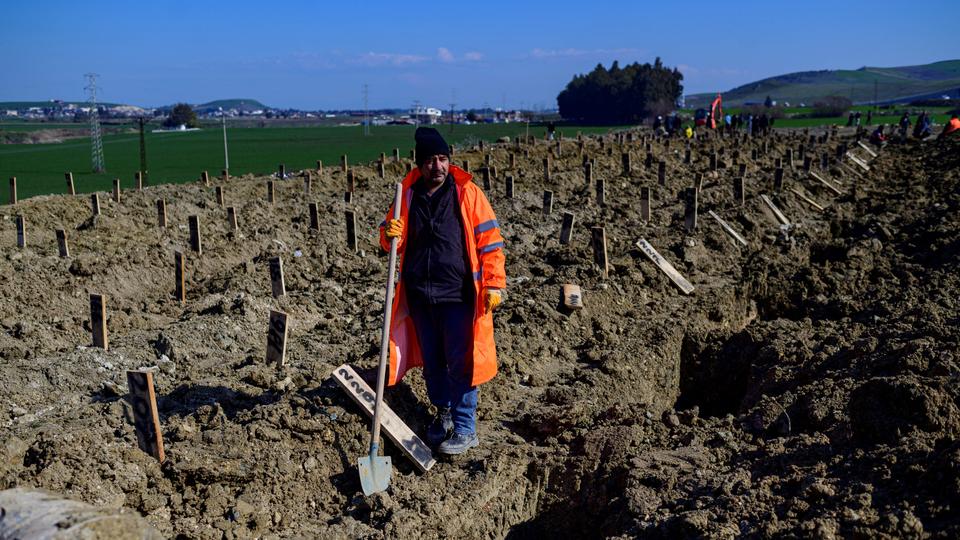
point(551, 131)
point(657, 122)
point(923, 128)
point(750, 125)
point(856, 119)
point(877, 137)
point(850, 120)
point(904, 125)
point(869, 117)
point(952, 128)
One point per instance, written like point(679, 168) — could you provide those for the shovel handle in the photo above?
point(385, 332)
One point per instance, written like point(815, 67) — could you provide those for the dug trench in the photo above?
point(806, 388)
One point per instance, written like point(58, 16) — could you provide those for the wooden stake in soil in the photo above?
point(180, 277)
point(690, 213)
point(572, 296)
point(161, 213)
point(776, 211)
point(396, 155)
point(588, 173)
point(319, 166)
point(566, 228)
point(547, 202)
point(116, 190)
point(397, 431)
point(308, 183)
point(225, 175)
point(486, 179)
point(21, 231)
point(662, 173)
point(625, 163)
point(513, 160)
point(314, 216)
point(232, 218)
point(546, 169)
point(645, 204)
point(277, 284)
point(509, 187)
point(195, 242)
point(665, 266)
point(205, 178)
point(277, 339)
point(348, 197)
point(601, 192)
point(777, 180)
point(62, 246)
point(351, 181)
point(270, 192)
point(95, 203)
point(281, 171)
point(738, 191)
point(13, 190)
point(70, 188)
point(343, 163)
point(138, 180)
point(807, 200)
point(830, 186)
point(599, 241)
point(98, 321)
point(146, 420)
point(351, 230)
point(726, 227)
point(381, 170)
point(686, 156)
point(219, 193)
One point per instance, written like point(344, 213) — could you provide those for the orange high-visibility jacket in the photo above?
point(952, 125)
point(484, 245)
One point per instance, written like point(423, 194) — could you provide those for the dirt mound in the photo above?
point(807, 387)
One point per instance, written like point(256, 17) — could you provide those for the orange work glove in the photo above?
point(491, 299)
point(395, 228)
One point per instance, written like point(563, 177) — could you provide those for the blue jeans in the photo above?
point(445, 333)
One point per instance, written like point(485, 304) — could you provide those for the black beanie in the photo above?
point(429, 143)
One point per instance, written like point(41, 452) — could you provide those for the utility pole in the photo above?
point(96, 144)
point(226, 155)
point(366, 114)
point(875, 100)
point(143, 152)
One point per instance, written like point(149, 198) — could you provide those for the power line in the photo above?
point(96, 143)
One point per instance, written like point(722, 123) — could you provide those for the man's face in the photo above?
point(435, 168)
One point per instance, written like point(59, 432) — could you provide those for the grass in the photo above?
point(180, 157)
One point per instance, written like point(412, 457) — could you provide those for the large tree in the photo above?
point(621, 95)
point(181, 114)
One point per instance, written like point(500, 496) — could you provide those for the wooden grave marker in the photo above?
point(777, 179)
point(465, 165)
point(601, 192)
point(138, 180)
point(662, 172)
point(572, 296)
point(776, 211)
point(161, 213)
point(807, 163)
point(351, 181)
point(351, 230)
point(270, 192)
point(599, 240)
point(547, 202)
point(225, 175)
point(381, 170)
point(62, 247)
point(807, 200)
point(546, 169)
point(645, 204)
point(95, 204)
point(566, 228)
point(98, 321)
point(396, 155)
point(308, 183)
point(232, 218)
point(486, 178)
point(690, 210)
point(146, 420)
point(320, 166)
point(195, 242)
point(862, 164)
point(829, 185)
point(219, 194)
point(343, 163)
point(726, 227)
point(348, 197)
point(205, 178)
point(21, 231)
point(314, 216)
point(588, 173)
point(70, 187)
point(281, 171)
point(116, 190)
point(513, 160)
point(648, 162)
point(681, 282)
point(277, 284)
point(277, 339)
point(867, 148)
point(738, 191)
point(13, 190)
point(686, 156)
point(180, 276)
point(625, 163)
point(396, 430)
point(509, 187)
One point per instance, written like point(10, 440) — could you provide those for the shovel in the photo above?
point(375, 470)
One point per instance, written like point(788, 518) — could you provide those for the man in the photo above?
point(451, 278)
point(953, 126)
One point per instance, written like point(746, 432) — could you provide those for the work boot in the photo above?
point(458, 443)
point(440, 427)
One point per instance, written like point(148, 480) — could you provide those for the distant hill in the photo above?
point(896, 84)
point(239, 104)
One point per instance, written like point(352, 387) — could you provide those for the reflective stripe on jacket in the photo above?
point(484, 245)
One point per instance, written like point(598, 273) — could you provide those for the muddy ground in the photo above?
point(807, 388)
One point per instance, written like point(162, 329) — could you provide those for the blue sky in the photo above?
point(318, 55)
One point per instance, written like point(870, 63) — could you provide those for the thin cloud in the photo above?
point(573, 53)
point(473, 56)
point(444, 55)
point(374, 59)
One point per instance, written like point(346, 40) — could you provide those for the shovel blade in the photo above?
point(374, 473)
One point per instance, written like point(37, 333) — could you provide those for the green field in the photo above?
point(180, 157)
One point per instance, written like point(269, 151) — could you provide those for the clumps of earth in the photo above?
point(808, 387)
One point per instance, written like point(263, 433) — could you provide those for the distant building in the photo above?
point(426, 115)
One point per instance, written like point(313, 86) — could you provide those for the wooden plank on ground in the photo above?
point(726, 226)
point(823, 181)
point(776, 211)
point(867, 148)
point(277, 339)
point(146, 420)
point(681, 282)
point(807, 200)
point(863, 164)
point(572, 296)
point(98, 321)
point(397, 431)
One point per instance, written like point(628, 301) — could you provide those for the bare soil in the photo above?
point(807, 388)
